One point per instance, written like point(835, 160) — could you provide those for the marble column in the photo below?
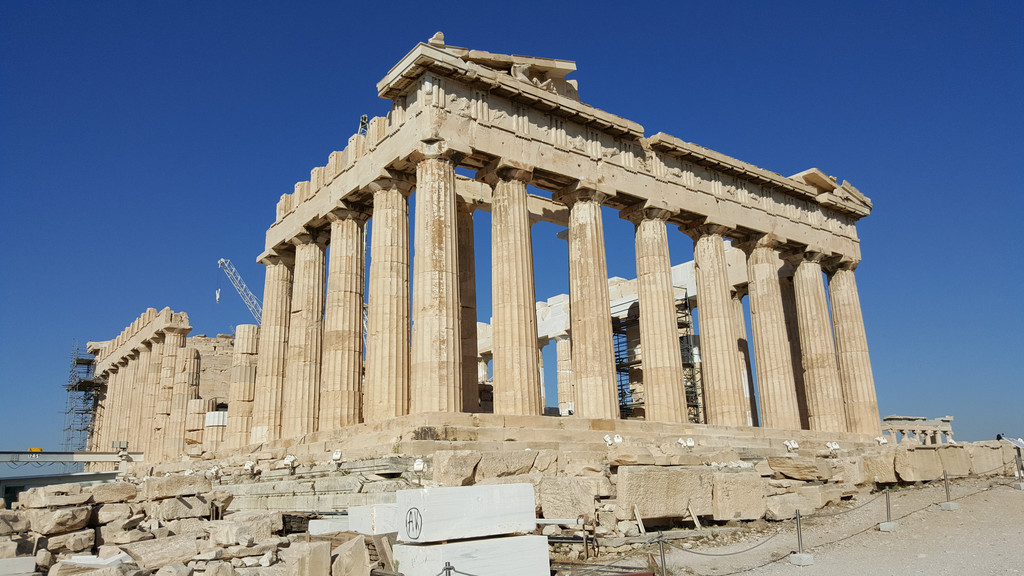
point(566, 391)
point(152, 391)
point(825, 411)
point(852, 352)
point(174, 342)
point(725, 404)
point(436, 367)
point(664, 397)
point(125, 385)
point(514, 304)
point(186, 378)
point(273, 347)
point(242, 390)
point(386, 384)
point(593, 355)
point(341, 379)
point(111, 415)
point(793, 333)
point(300, 401)
point(467, 297)
point(772, 353)
point(140, 374)
point(743, 355)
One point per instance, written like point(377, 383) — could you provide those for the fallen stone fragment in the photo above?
point(114, 492)
point(59, 521)
point(153, 554)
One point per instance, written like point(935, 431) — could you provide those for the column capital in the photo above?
point(283, 255)
point(393, 180)
point(840, 263)
point(697, 229)
point(310, 236)
point(349, 212)
point(649, 210)
point(759, 240)
point(502, 169)
point(580, 191)
point(437, 149)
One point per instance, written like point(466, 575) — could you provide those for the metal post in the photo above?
point(1020, 466)
point(945, 478)
point(448, 569)
point(888, 507)
point(661, 550)
point(799, 535)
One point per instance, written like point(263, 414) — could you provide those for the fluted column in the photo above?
point(341, 378)
point(725, 404)
point(273, 347)
point(566, 392)
point(593, 356)
point(186, 380)
point(140, 374)
point(793, 333)
point(825, 409)
point(174, 342)
point(852, 352)
point(386, 385)
point(242, 390)
point(436, 369)
point(743, 355)
point(149, 396)
point(514, 305)
point(661, 361)
point(467, 297)
point(301, 398)
point(772, 353)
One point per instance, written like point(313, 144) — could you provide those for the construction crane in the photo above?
point(250, 299)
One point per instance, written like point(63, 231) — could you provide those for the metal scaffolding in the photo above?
point(83, 390)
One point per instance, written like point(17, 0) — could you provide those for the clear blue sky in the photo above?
point(140, 142)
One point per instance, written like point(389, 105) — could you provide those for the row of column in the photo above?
point(310, 368)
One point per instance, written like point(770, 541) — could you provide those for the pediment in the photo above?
point(843, 196)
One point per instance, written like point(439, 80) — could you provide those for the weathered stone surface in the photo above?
point(172, 486)
point(16, 566)
point(955, 460)
point(849, 471)
point(455, 467)
point(547, 461)
point(219, 569)
point(737, 496)
point(531, 478)
point(112, 535)
point(582, 464)
point(258, 549)
point(307, 559)
point(663, 491)
point(800, 468)
point(12, 522)
point(59, 521)
point(630, 456)
point(502, 463)
point(275, 518)
point(114, 492)
point(230, 533)
point(986, 459)
point(190, 526)
point(880, 467)
point(563, 497)
point(153, 554)
point(180, 507)
point(174, 569)
point(47, 497)
point(71, 542)
point(8, 549)
point(918, 464)
point(106, 513)
point(351, 558)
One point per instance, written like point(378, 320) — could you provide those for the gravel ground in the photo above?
point(985, 536)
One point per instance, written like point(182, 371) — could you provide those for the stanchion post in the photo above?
point(888, 525)
point(799, 558)
point(448, 569)
point(1019, 484)
point(661, 550)
point(948, 505)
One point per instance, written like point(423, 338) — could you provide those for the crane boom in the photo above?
point(250, 299)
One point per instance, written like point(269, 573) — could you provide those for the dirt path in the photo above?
point(985, 536)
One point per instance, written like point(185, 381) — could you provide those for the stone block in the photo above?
point(8, 549)
point(880, 467)
point(630, 456)
point(848, 471)
point(582, 464)
point(986, 459)
point(455, 467)
point(800, 467)
point(16, 566)
point(174, 569)
point(154, 554)
point(509, 556)
point(230, 533)
point(189, 526)
point(566, 497)
point(173, 486)
point(351, 558)
point(106, 513)
point(72, 541)
point(504, 463)
point(307, 559)
point(663, 491)
point(180, 507)
point(374, 519)
point(337, 484)
point(436, 514)
point(219, 569)
point(546, 462)
point(44, 498)
point(918, 464)
point(59, 521)
point(13, 522)
point(737, 496)
point(329, 525)
point(955, 460)
point(114, 492)
point(110, 535)
point(784, 506)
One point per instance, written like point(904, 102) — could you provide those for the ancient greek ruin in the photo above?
point(369, 400)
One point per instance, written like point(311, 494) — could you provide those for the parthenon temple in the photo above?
point(527, 150)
